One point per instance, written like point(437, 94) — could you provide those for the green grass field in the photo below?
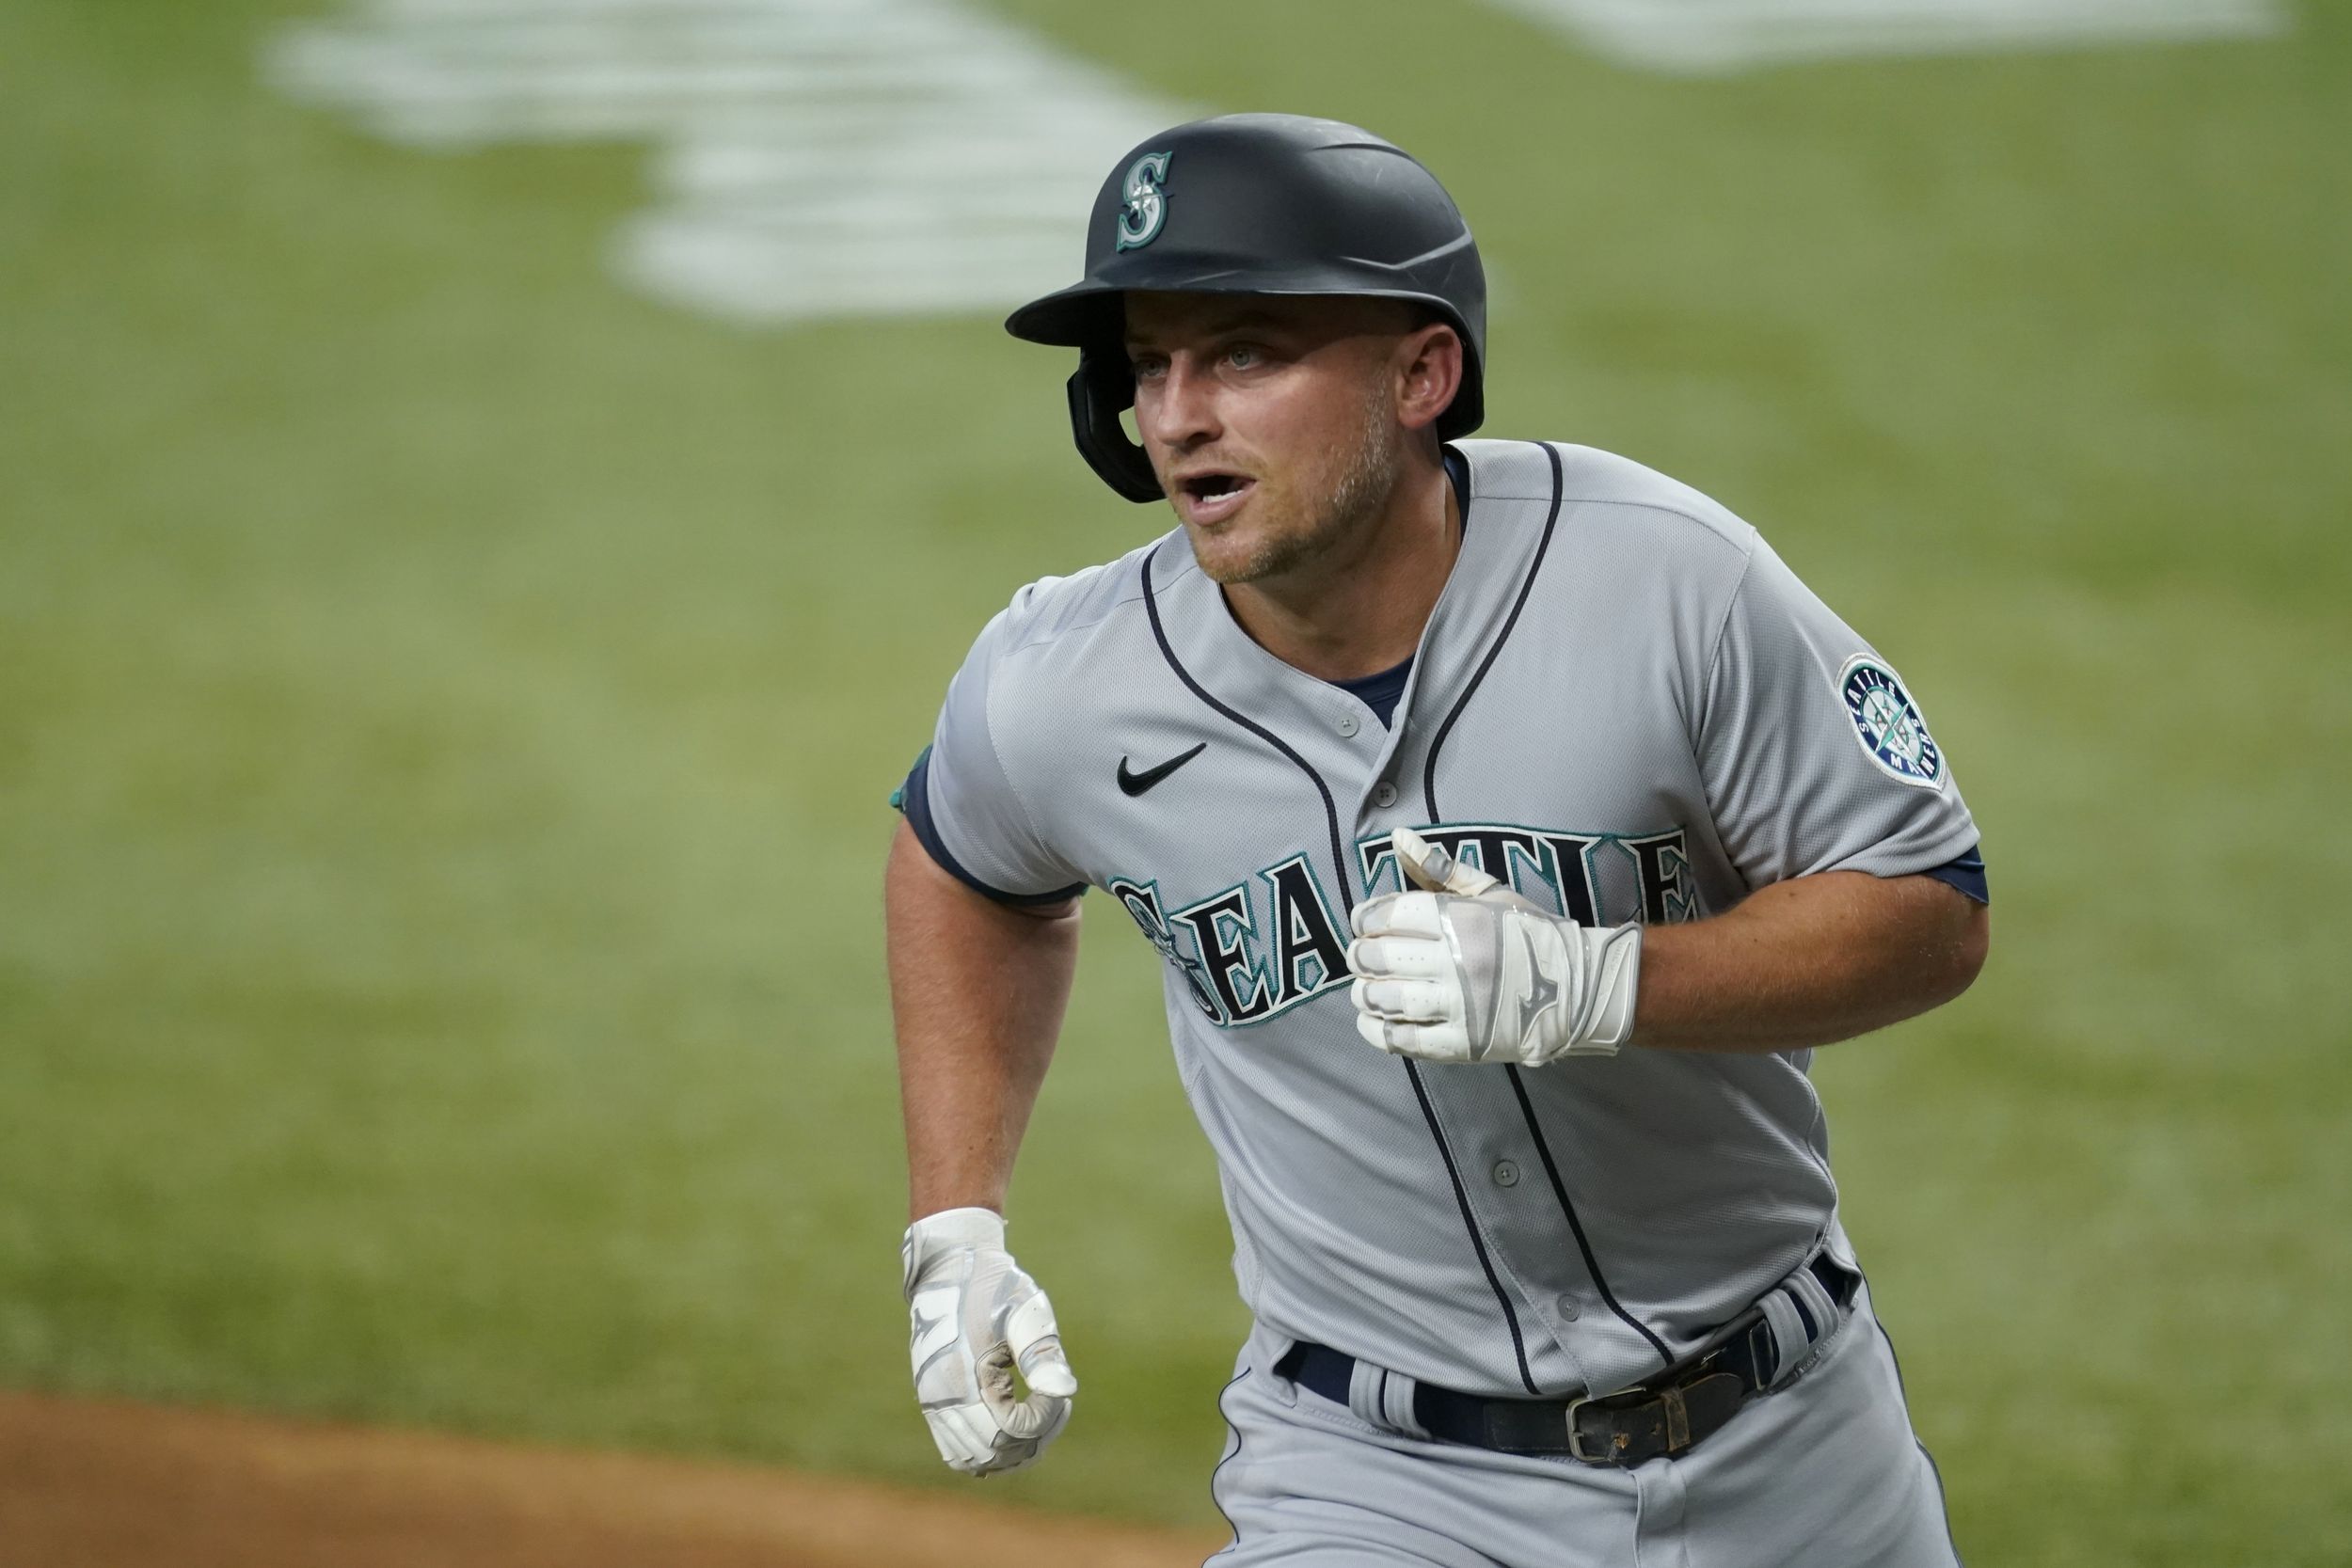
point(447, 703)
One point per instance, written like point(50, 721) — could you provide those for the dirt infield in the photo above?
point(111, 1485)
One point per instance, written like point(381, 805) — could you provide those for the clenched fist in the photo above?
point(976, 1318)
point(1465, 970)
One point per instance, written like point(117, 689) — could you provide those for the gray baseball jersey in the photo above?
point(1624, 704)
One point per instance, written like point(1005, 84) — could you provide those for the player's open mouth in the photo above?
point(1212, 498)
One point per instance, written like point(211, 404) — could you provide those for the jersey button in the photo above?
point(1384, 794)
point(1346, 724)
point(1569, 1308)
point(1506, 1174)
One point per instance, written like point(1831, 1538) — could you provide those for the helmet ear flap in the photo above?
point(1099, 393)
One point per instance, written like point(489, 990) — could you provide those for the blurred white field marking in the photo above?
point(1731, 35)
point(815, 157)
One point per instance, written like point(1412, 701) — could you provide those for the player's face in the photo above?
point(1270, 421)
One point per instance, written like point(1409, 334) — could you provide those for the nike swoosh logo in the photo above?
point(1136, 783)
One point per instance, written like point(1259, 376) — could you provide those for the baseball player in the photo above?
point(1512, 824)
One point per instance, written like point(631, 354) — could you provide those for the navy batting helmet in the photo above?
point(1256, 204)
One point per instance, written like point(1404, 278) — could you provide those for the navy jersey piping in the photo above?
point(1429, 801)
point(1576, 1226)
point(1331, 810)
point(1469, 1223)
point(1215, 1501)
point(1346, 885)
point(1436, 742)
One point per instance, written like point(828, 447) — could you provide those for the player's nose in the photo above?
point(1178, 409)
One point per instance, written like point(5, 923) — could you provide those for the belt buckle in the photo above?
point(1668, 1392)
point(1576, 1438)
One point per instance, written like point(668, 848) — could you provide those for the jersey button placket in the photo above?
point(1506, 1174)
point(1384, 794)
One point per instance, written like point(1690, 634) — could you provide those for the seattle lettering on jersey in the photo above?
point(1265, 944)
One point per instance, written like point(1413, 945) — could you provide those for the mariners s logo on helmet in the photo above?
point(1889, 723)
point(1139, 220)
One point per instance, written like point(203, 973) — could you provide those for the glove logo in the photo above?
point(1139, 220)
point(1543, 992)
point(1889, 723)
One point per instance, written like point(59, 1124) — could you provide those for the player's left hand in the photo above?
point(1463, 970)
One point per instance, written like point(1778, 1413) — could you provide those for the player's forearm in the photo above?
point(976, 991)
point(1808, 961)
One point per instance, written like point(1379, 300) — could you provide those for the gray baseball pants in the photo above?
point(1825, 1472)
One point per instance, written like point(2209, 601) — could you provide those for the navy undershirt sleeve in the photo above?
point(1966, 873)
point(912, 800)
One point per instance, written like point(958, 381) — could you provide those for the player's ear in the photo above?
point(1429, 365)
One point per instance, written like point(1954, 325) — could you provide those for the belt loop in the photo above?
point(1381, 1398)
point(1397, 1398)
point(1789, 1341)
point(1815, 1302)
point(1803, 1315)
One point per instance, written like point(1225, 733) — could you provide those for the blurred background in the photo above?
point(491, 493)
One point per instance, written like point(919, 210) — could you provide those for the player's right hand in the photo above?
point(977, 1318)
point(1461, 969)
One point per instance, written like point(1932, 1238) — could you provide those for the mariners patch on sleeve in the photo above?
point(1889, 723)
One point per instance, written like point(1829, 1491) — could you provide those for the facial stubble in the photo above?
point(1352, 499)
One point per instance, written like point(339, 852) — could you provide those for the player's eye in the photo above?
point(1243, 357)
point(1146, 366)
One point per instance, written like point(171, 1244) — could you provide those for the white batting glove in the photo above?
point(1468, 970)
point(975, 1318)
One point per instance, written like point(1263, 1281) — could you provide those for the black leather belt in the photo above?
point(1670, 1414)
